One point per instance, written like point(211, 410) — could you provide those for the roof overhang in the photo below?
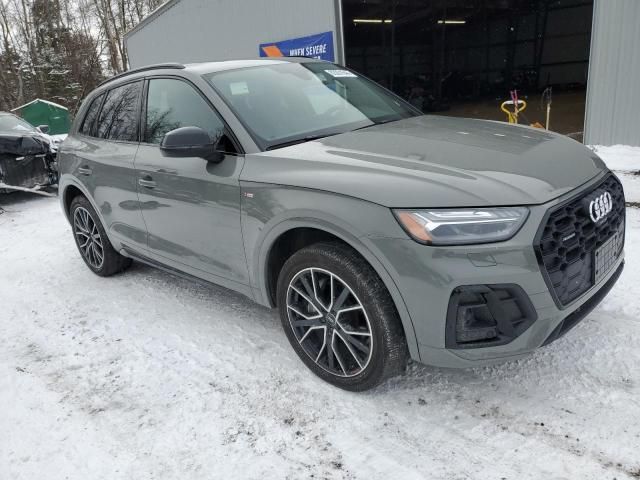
point(151, 17)
point(53, 104)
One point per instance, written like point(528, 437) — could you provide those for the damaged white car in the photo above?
point(27, 157)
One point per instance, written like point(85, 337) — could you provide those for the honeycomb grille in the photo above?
point(569, 239)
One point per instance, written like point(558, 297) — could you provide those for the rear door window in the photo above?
point(119, 115)
point(90, 117)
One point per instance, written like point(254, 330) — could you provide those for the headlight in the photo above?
point(462, 225)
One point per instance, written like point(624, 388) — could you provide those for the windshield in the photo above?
point(288, 103)
point(13, 124)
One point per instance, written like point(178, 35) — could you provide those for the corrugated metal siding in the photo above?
point(210, 30)
point(613, 97)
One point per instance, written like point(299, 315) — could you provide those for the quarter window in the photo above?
point(174, 104)
point(119, 115)
point(90, 117)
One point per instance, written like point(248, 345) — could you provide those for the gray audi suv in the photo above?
point(378, 232)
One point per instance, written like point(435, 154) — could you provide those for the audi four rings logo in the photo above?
point(600, 207)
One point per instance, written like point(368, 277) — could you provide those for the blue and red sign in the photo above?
point(314, 46)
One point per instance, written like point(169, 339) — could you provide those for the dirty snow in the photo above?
point(145, 375)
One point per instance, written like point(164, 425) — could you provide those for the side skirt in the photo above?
point(134, 255)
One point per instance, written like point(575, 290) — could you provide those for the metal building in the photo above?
point(613, 96)
point(206, 30)
point(449, 57)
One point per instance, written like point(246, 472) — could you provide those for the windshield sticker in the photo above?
point(239, 88)
point(341, 73)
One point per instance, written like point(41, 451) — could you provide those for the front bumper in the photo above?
point(26, 163)
point(427, 276)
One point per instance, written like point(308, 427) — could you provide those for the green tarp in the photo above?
point(42, 112)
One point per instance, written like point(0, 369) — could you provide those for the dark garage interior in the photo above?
point(464, 57)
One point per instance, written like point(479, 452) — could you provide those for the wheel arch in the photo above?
point(70, 192)
point(69, 189)
point(326, 231)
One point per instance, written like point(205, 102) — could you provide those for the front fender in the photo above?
point(268, 211)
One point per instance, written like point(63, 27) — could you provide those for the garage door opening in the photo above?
point(463, 58)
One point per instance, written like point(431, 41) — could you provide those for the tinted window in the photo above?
point(173, 104)
point(119, 115)
point(90, 117)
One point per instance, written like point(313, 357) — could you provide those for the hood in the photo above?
point(434, 161)
point(23, 144)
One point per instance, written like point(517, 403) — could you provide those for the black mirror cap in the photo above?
point(43, 128)
point(185, 137)
point(190, 142)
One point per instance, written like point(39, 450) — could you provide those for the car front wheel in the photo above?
point(340, 318)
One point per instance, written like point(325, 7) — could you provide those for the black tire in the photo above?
point(388, 353)
point(112, 262)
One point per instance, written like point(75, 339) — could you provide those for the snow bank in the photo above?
point(625, 161)
point(620, 157)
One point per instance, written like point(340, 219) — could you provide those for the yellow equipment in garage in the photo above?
point(518, 107)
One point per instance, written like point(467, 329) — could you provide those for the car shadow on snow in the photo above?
point(548, 362)
point(202, 290)
point(13, 199)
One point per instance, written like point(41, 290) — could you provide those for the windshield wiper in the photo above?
point(308, 138)
point(379, 122)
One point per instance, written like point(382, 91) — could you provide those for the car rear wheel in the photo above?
point(340, 318)
point(92, 241)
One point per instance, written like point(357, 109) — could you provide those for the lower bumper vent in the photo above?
point(487, 315)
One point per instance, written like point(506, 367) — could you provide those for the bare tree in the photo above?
point(60, 49)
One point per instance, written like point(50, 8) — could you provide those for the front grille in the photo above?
point(583, 310)
point(567, 242)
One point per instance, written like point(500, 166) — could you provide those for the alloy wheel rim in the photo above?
point(329, 322)
point(88, 237)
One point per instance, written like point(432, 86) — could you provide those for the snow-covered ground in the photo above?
point(626, 162)
point(146, 376)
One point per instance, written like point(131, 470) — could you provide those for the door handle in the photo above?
point(85, 171)
point(147, 182)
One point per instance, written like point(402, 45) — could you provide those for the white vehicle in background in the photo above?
point(54, 140)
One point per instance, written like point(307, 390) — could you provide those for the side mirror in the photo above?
point(43, 129)
point(190, 142)
point(32, 145)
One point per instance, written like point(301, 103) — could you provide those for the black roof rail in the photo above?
point(158, 66)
